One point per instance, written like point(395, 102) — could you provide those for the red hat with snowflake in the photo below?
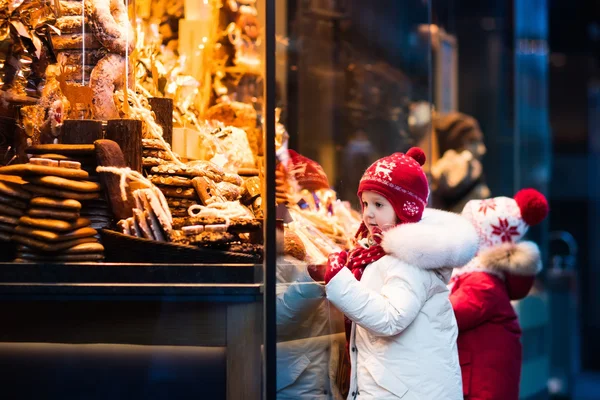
point(401, 180)
point(308, 173)
point(506, 220)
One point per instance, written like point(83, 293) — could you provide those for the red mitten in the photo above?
point(335, 263)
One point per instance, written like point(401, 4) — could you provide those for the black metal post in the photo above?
point(270, 259)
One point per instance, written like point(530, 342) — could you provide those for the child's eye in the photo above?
point(378, 205)
point(364, 203)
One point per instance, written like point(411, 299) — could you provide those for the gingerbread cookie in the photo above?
point(16, 191)
point(53, 224)
point(49, 202)
point(4, 219)
point(74, 150)
point(157, 209)
point(11, 211)
point(65, 194)
point(12, 202)
point(7, 228)
point(178, 192)
point(152, 153)
point(85, 248)
point(134, 227)
point(140, 219)
point(180, 203)
point(52, 213)
point(51, 247)
point(154, 144)
point(49, 236)
point(179, 212)
point(207, 190)
point(148, 162)
point(197, 168)
point(65, 184)
point(30, 169)
point(170, 180)
point(58, 157)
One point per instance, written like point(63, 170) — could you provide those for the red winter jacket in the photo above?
point(489, 345)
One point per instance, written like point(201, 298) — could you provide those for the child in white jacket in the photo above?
point(392, 286)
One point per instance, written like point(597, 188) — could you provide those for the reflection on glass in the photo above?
point(310, 350)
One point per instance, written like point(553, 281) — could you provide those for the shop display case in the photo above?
point(175, 174)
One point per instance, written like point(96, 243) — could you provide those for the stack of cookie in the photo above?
point(52, 228)
point(95, 208)
point(199, 182)
point(154, 153)
point(13, 204)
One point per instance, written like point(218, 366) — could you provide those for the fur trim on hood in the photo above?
point(440, 240)
point(522, 258)
point(516, 264)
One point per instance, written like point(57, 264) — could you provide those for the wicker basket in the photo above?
point(123, 248)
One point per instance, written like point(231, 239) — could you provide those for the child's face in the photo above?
point(377, 212)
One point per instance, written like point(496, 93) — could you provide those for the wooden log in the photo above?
point(127, 133)
point(163, 109)
point(81, 131)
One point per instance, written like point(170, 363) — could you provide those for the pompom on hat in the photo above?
point(506, 220)
point(401, 180)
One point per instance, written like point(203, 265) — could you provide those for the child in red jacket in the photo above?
point(504, 269)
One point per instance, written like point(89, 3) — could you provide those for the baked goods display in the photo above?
point(47, 214)
point(144, 189)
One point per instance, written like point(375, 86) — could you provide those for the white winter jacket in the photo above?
point(403, 338)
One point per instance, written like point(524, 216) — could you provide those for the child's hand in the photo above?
point(335, 263)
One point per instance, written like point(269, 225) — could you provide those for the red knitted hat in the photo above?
point(401, 180)
point(308, 173)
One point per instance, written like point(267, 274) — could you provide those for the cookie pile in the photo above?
point(199, 182)
point(51, 227)
point(13, 204)
point(154, 153)
point(93, 207)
